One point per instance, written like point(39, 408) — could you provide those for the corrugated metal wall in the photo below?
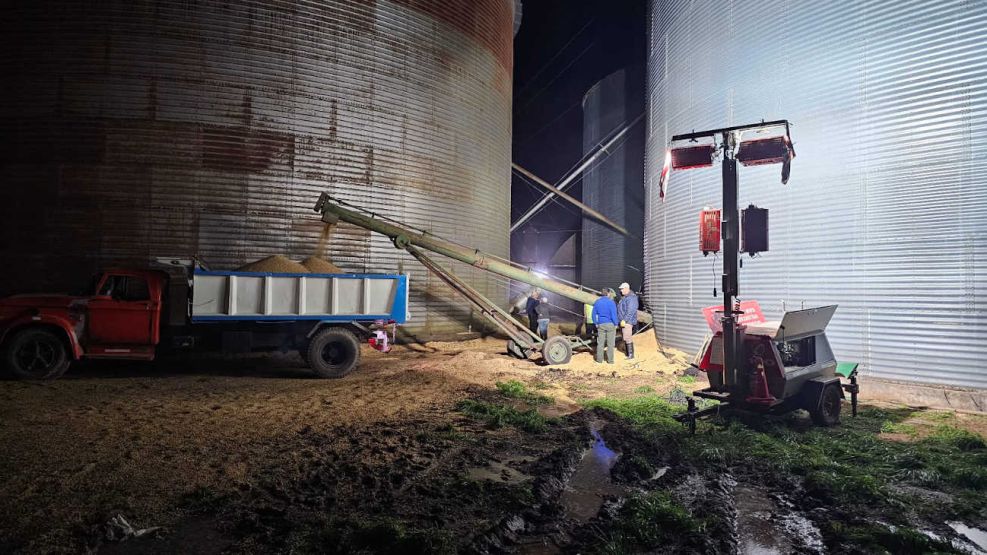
point(155, 128)
point(614, 186)
point(886, 210)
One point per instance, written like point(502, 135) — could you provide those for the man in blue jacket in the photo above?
point(627, 314)
point(605, 318)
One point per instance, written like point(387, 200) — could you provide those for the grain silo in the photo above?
point(157, 128)
point(885, 213)
point(615, 185)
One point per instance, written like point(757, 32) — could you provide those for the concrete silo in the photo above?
point(155, 128)
point(885, 213)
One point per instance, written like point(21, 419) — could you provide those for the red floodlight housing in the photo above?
point(692, 155)
point(767, 145)
point(686, 155)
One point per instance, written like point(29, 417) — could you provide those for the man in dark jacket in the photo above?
point(530, 312)
point(627, 314)
point(544, 317)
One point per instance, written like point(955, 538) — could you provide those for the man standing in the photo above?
point(588, 317)
point(543, 317)
point(530, 310)
point(627, 314)
point(605, 318)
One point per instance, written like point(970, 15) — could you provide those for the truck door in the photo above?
point(122, 312)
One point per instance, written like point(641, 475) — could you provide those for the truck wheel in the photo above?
point(827, 412)
point(36, 354)
point(333, 353)
point(557, 350)
point(303, 351)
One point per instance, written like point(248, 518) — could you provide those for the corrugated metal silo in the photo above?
point(156, 128)
point(614, 186)
point(885, 213)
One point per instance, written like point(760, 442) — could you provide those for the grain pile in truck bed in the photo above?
point(276, 263)
point(321, 266)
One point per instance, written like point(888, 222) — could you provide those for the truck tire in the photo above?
point(333, 353)
point(557, 350)
point(827, 411)
point(36, 354)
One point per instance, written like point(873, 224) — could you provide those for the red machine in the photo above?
point(709, 230)
point(753, 364)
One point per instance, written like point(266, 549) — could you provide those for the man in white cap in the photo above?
point(627, 314)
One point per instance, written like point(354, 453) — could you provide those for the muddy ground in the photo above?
point(456, 447)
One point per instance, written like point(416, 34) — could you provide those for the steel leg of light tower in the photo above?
point(731, 246)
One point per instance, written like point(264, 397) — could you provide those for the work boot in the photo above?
point(630, 351)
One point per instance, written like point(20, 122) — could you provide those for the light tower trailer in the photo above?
point(766, 368)
point(782, 366)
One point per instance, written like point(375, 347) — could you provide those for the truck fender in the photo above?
point(811, 392)
point(49, 321)
point(354, 326)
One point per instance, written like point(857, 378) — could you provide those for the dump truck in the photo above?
point(178, 305)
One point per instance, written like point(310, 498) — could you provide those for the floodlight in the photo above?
point(767, 145)
point(689, 157)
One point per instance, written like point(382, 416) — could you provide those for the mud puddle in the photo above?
point(769, 526)
point(591, 482)
point(758, 531)
point(502, 470)
point(975, 536)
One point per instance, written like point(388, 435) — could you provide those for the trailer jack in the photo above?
point(693, 413)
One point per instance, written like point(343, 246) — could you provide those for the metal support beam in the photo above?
point(572, 176)
point(521, 335)
point(586, 209)
point(402, 237)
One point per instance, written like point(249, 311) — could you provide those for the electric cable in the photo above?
point(520, 110)
point(545, 66)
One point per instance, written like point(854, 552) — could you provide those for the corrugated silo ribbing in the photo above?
point(155, 128)
point(885, 213)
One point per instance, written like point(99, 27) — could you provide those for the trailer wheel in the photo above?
point(827, 412)
point(333, 353)
point(514, 349)
point(36, 354)
point(557, 350)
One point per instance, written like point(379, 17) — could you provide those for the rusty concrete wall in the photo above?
point(134, 129)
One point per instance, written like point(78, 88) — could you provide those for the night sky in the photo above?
point(561, 50)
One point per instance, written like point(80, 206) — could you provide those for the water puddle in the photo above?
point(659, 473)
point(498, 471)
point(758, 531)
point(591, 483)
point(975, 536)
point(807, 533)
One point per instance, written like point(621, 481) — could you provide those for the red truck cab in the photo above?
point(120, 317)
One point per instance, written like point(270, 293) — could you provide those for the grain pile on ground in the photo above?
point(647, 358)
point(274, 264)
point(321, 266)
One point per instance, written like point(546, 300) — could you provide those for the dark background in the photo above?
point(561, 50)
